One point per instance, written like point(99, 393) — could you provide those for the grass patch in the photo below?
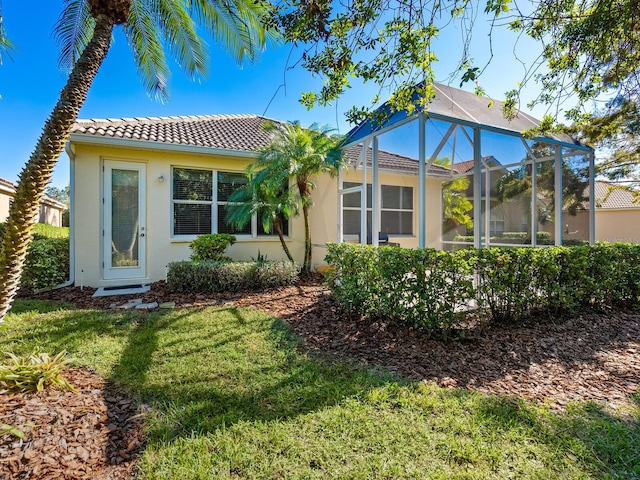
point(232, 396)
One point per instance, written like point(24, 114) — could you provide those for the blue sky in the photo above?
point(31, 81)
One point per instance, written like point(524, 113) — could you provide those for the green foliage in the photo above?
point(41, 230)
point(294, 156)
point(266, 196)
point(424, 288)
point(59, 194)
point(542, 238)
point(230, 392)
point(6, 429)
point(208, 277)
point(34, 372)
point(260, 258)
point(47, 261)
point(211, 247)
point(429, 289)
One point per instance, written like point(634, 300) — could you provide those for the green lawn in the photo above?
point(233, 396)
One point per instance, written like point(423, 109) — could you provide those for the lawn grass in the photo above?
point(232, 395)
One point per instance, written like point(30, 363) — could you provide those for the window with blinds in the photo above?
point(199, 201)
point(396, 215)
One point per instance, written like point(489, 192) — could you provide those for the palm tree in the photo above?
point(456, 207)
point(294, 156)
point(271, 202)
point(84, 32)
point(6, 45)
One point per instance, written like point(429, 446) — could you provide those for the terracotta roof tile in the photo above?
point(392, 161)
point(229, 132)
point(612, 196)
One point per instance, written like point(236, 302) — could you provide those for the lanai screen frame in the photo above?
point(368, 136)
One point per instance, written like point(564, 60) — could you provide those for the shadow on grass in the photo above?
point(226, 366)
point(210, 368)
point(204, 370)
point(607, 444)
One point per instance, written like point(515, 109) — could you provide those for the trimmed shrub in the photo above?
point(211, 247)
point(423, 288)
point(47, 261)
point(209, 277)
point(516, 238)
point(432, 289)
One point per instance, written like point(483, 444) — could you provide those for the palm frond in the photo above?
point(235, 25)
point(180, 36)
point(6, 45)
point(72, 32)
point(143, 34)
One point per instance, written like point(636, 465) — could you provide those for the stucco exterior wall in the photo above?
point(162, 248)
point(50, 215)
point(618, 225)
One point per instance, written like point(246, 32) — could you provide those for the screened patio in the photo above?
point(495, 187)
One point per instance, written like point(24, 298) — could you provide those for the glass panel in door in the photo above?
point(125, 221)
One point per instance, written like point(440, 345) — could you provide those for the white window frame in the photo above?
point(348, 185)
point(214, 203)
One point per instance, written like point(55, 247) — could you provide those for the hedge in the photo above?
point(521, 238)
point(224, 276)
point(432, 289)
point(47, 261)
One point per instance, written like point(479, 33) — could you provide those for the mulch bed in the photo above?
point(95, 433)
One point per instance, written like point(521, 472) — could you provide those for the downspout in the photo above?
point(72, 256)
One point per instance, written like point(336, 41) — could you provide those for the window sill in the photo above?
point(239, 239)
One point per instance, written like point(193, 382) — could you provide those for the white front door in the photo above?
point(124, 220)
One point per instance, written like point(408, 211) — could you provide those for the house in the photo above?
point(143, 188)
point(617, 214)
point(50, 211)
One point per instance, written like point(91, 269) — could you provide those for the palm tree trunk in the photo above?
point(306, 266)
point(37, 172)
point(277, 226)
point(304, 189)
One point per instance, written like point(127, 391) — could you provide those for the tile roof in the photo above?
point(611, 196)
point(467, 165)
point(463, 167)
point(8, 187)
point(228, 132)
point(392, 161)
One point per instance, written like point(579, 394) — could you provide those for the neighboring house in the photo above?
point(143, 188)
point(617, 215)
point(50, 211)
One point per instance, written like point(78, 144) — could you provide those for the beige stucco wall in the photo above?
point(325, 216)
point(618, 225)
point(161, 248)
point(48, 213)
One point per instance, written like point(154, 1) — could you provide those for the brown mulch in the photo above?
point(96, 433)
